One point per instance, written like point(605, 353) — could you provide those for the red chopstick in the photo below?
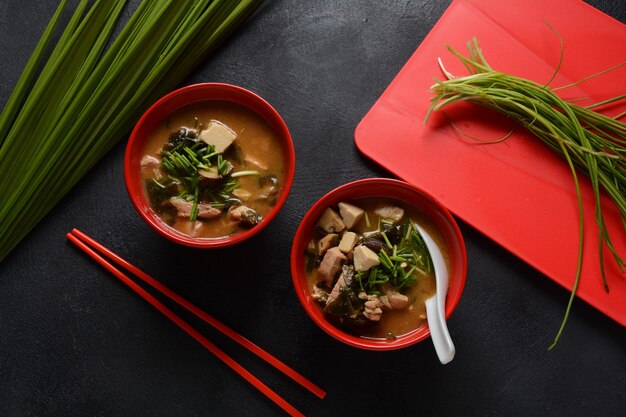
point(83, 241)
point(272, 360)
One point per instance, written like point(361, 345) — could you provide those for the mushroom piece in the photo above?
point(209, 178)
point(326, 243)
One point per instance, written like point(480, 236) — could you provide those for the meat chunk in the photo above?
point(205, 211)
point(372, 310)
point(373, 314)
point(390, 213)
point(331, 263)
point(364, 258)
point(350, 214)
point(397, 300)
point(254, 162)
point(244, 215)
point(184, 207)
point(241, 193)
point(319, 294)
point(149, 161)
point(330, 221)
point(384, 299)
point(334, 294)
point(218, 135)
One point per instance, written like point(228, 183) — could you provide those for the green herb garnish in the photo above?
point(184, 163)
point(407, 260)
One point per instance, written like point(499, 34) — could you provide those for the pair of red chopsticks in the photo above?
point(96, 250)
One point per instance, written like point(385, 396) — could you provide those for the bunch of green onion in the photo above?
point(587, 140)
point(67, 112)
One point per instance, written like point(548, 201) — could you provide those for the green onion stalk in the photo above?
point(592, 142)
point(68, 110)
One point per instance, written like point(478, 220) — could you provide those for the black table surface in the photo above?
point(76, 342)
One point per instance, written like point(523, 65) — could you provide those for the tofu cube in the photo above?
point(364, 258)
point(330, 221)
point(348, 240)
point(350, 214)
point(390, 213)
point(218, 135)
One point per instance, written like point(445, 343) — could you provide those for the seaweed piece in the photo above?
point(346, 304)
point(235, 153)
point(376, 244)
point(184, 137)
point(159, 197)
point(159, 193)
point(393, 233)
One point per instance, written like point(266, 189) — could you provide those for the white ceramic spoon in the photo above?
point(435, 305)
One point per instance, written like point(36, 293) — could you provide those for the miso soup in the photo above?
point(213, 169)
point(369, 269)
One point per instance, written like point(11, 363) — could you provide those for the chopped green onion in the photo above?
point(154, 180)
point(244, 173)
point(384, 235)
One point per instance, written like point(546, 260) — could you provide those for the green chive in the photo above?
point(92, 90)
point(589, 141)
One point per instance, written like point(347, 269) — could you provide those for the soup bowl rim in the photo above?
point(180, 98)
point(384, 188)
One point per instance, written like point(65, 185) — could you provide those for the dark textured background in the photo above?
point(76, 342)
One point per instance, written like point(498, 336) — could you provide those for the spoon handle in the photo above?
point(435, 305)
point(439, 332)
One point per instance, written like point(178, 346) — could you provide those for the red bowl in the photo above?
point(379, 187)
point(169, 104)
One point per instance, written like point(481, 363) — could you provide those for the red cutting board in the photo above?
point(516, 192)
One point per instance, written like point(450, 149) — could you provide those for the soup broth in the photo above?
point(231, 189)
point(378, 300)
